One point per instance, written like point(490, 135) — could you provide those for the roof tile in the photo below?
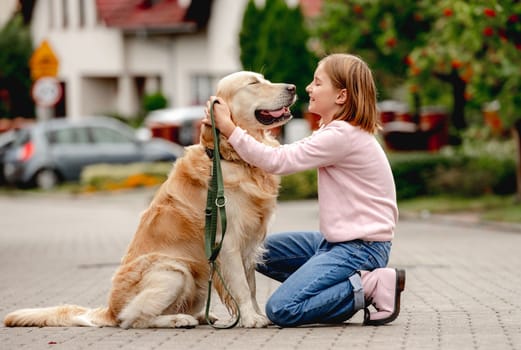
point(136, 14)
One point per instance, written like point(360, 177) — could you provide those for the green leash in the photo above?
point(216, 208)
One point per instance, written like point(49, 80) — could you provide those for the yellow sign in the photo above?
point(43, 62)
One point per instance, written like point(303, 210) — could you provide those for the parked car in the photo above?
point(180, 125)
point(7, 139)
point(49, 152)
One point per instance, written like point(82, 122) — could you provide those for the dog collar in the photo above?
point(210, 152)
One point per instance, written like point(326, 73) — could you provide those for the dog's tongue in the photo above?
point(277, 113)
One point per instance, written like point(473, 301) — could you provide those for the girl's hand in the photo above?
point(221, 114)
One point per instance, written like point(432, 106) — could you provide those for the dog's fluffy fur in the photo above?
point(162, 280)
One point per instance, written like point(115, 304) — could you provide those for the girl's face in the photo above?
point(324, 98)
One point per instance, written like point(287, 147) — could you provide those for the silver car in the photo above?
point(49, 152)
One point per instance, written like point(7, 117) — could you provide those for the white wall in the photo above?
point(92, 50)
point(223, 35)
point(7, 8)
point(95, 51)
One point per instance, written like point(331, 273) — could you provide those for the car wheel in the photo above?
point(46, 179)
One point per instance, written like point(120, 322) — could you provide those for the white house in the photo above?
point(7, 7)
point(112, 52)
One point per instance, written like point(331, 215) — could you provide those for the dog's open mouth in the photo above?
point(269, 117)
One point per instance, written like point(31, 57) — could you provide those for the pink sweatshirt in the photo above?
point(356, 191)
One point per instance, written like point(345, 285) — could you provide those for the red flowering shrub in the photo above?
point(489, 12)
point(488, 31)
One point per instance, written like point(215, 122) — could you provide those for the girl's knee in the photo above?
point(282, 313)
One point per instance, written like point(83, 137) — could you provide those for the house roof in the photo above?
point(154, 15)
point(168, 16)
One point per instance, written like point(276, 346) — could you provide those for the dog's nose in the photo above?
point(291, 88)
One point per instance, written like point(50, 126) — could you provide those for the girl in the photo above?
point(328, 276)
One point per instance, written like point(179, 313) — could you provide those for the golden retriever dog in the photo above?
point(163, 278)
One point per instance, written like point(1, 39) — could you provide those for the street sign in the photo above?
point(47, 91)
point(43, 62)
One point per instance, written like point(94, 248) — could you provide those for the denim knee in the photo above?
point(282, 313)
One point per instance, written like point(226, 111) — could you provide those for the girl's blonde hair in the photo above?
point(352, 73)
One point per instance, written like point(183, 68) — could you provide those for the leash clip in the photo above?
point(220, 201)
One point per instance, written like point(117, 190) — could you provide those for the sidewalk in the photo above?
point(462, 291)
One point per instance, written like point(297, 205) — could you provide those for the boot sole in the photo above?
point(400, 286)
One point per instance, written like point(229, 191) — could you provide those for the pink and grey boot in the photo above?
point(382, 289)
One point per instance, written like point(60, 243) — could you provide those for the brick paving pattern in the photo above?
point(463, 281)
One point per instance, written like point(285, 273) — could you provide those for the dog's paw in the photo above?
point(254, 321)
point(162, 321)
point(201, 317)
point(184, 321)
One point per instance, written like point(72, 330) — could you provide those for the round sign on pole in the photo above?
point(47, 91)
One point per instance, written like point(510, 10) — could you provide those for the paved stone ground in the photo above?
point(463, 281)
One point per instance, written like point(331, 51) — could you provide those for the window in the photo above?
point(65, 13)
point(202, 88)
point(81, 14)
point(105, 135)
point(22, 137)
point(68, 136)
point(51, 14)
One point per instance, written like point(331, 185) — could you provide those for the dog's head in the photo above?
point(256, 104)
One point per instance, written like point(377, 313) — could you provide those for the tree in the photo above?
point(273, 41)
point(382, 32)
point(474, 46)
point(249, 34)
point(15, 81)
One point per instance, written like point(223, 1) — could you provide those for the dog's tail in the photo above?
point(60, 316)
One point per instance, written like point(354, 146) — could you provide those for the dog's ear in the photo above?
point(227, 151)
point(206, 140)
point(206, 136)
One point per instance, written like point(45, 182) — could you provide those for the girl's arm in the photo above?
point(324, 147)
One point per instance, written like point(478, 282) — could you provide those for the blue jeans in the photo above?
point(315, 274)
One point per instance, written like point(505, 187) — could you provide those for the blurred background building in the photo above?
point(110, 53)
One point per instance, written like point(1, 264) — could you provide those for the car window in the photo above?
point(7, 138)
point(22, 137)
point(68, 136)
point(105, 135)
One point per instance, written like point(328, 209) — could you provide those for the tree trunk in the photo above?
point(458, 96)
point(516, 131)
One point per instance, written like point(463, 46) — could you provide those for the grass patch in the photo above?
point(490, 207)
point(110, 177)
point(506, 214)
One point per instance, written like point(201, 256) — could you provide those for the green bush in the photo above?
point(154, 101)
point(484, 168)
point(482, 164)
point(412, 172)
point(426, 174)
point(475, 175)
point(301, 185)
